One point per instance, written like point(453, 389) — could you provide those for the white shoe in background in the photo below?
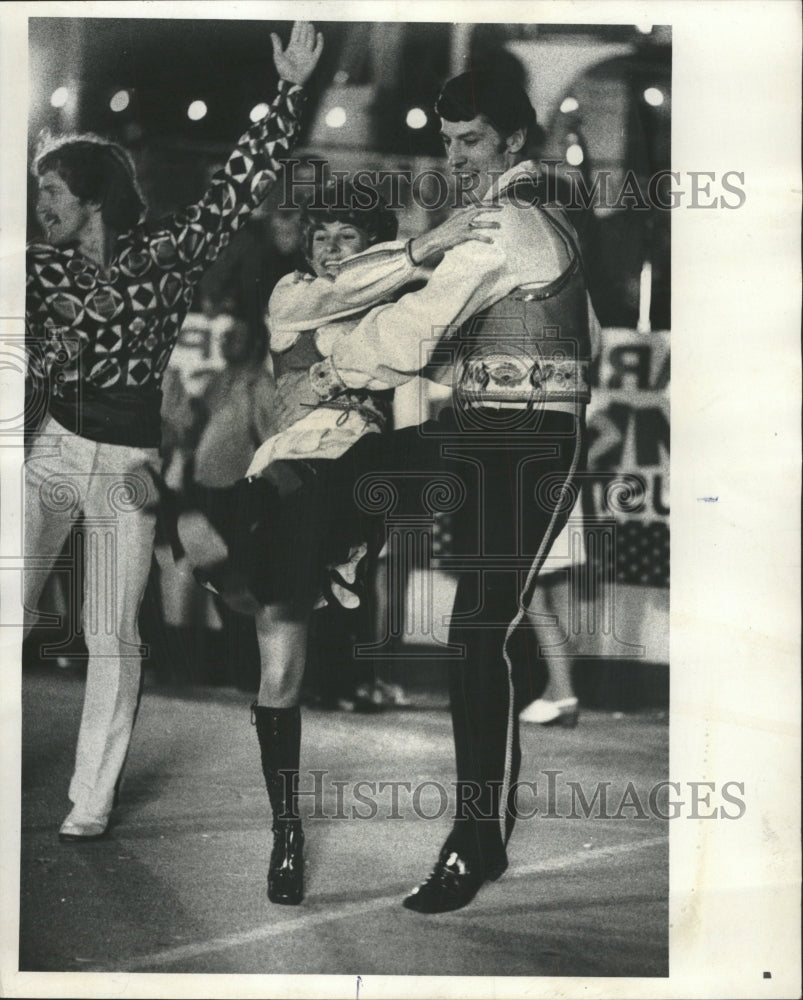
point(556, 713)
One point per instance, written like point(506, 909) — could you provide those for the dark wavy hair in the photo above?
point(95, 169)
point(341, 203)
point(499, 98)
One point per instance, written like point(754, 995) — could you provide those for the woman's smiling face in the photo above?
point(332, 242)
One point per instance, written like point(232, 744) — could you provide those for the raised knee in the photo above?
point(280, 688)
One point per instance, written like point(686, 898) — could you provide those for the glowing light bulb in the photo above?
point(574, 155)
point(569, 104)
point(196, 111)
point(654, 97)
point(120, 101)
point(416, 118)
point(336, 117)
point(59, 97)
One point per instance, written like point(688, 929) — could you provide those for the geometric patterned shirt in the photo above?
point(99, 343)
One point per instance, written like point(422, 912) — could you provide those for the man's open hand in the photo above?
point(458, 228)
point(296, 63)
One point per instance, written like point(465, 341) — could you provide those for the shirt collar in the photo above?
point(527, 168)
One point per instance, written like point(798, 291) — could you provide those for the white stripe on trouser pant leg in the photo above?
point(524, 598)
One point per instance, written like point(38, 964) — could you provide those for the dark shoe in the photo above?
point(225, 535)
point(286, 869)
point(453, 883)
point(212, 564)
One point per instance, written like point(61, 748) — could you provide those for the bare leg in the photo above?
point(282, 643)
point(558, 704)
point(559, 666)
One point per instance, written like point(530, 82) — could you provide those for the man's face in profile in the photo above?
point(62, 215)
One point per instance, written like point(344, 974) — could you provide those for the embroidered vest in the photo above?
point(531, 348)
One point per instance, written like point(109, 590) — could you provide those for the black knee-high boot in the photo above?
point(279, 733)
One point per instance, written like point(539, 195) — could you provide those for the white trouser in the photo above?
point(65, 476)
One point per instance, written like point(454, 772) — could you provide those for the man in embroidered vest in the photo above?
point(106, 298)
point(507, 321)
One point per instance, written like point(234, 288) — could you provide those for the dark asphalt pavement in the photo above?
point(179, 884)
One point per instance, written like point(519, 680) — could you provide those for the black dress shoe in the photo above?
point(286, 869)
point(453, 883)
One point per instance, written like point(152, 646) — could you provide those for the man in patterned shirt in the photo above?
point(105, 302)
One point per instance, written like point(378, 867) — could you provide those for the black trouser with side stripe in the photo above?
point(502, 474)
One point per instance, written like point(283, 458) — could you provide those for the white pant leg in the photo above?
point(56, 478)
point(119, 534)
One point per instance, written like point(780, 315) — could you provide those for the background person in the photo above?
point(557, 705)
point(237, 411)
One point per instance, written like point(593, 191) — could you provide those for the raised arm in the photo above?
point(205, 228)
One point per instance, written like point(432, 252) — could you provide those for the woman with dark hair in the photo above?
point(329, 235)
point(298, 338)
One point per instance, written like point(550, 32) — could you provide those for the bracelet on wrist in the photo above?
point(408, 249)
